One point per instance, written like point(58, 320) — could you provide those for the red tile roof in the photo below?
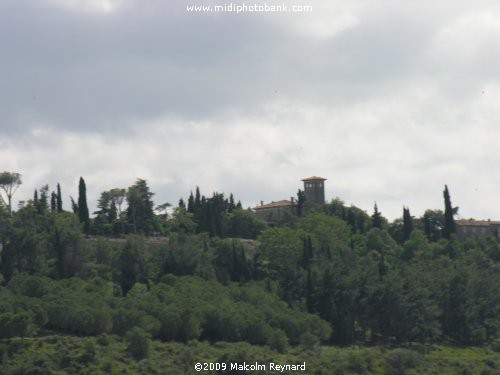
point(476, 223)
point(314, 178)
point(283, 203)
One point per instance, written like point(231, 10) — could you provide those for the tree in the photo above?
point(83, 210)
point(59, 199)
point(139, 343)
point(182, 204)
point(301, 198)
point(9, 183)
point(449, 222)
point(140, 207)
point(53, 202)
point(407, 224)
point(163, 208)
point(43, 202)
point(376, 217)
point(190, 205)
point(433, 224)
point(131, 264)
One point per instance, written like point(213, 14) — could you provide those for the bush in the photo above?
point(139, 343)
point(400, 360)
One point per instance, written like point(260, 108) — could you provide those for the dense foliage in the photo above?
point(137, 275)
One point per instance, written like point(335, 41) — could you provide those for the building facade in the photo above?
point(471, 227)
point(314, 189)
point(276, 212)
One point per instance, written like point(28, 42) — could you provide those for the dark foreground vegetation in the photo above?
point(109, 354)
point(345, 291)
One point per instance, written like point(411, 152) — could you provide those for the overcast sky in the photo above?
point(388, 100)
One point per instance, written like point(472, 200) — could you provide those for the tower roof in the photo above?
point(314, 178)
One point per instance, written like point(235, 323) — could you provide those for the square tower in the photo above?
point(314, 189)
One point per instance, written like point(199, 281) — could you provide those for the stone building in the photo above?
point(276, 212)
point(314, 189)
point(471, 227)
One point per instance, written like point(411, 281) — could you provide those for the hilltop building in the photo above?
point(471, 227)
point(275, 212)
point(314, 189)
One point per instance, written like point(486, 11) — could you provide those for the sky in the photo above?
point(388, 100)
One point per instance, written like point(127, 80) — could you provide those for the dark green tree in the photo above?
point(53, 202)
point(43, 202)
point(131, 264)
point(190, 205)
point(182, 204)
point(197, 199)
point(301, 198)
point(83, 209)
point(140, 214)
point(449, 222)
point(376, 217)
point(407, 224)
point(59, 199)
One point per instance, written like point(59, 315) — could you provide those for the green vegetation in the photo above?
point(139, 290)
point(110, 354)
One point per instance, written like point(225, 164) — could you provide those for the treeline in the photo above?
point(370, 280)
point(123, 211)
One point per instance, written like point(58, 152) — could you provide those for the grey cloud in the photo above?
point(389, 108)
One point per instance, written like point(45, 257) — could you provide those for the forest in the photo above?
point(144, 289)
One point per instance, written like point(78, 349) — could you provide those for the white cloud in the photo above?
point(93, 6)
point(388, 100)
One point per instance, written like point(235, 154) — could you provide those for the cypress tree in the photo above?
point(351, 220)
point(43, 202)
point(407, 224)
point(83, 210)
point(182, 204)
point(190, 206)
point(53, 202)
point(376, 217)
point(449, 222)
point(59, 199)
point(74, 206)
point(231, 205)
point(301, 198)
point(197, 199)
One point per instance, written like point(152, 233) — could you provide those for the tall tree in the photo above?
point(182, 204)
point(43, 202)
point(140, 207)
point(231, 205)
point(407, 224)
point(301, 198)
point(197, 199)
point(83, 209)
point(118, 196)
point(59, 199)
point(190, 205)
point(376, 217)
point(9, 183)
point(53, 202)
point(449, 222)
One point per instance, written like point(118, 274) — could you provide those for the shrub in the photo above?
point(139, 343)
